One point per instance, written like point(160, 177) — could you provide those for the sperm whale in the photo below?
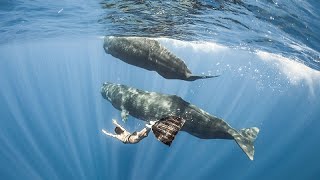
point(150, 106)
point(149, 54)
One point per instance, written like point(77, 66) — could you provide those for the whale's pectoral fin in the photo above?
point(124, 115)
point(245, 140)
point(192, 77)
point(167, 128)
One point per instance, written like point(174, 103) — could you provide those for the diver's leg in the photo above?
point(138, 136)
point(144, 132)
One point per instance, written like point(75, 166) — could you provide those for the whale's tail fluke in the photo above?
point(195, 77)
point(245, 139)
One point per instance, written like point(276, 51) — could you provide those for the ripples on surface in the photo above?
point(284, 27)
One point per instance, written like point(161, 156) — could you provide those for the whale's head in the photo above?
point(114, 93)
point(107, 90)
point(108, 40)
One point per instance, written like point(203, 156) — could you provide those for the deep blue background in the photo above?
point(52, 66)
point(52, 114)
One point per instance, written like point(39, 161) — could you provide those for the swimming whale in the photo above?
point(151, 55)
point(150, 106)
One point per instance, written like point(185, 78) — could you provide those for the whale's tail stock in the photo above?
point(245, 139)
point(195, 77)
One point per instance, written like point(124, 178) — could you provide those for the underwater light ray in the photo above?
point(16, 156)
point(92, 73)
point(98, 147)
point(145, 151)
point(213, 162)
point(25, 120)
point(143, 155)
point(27, 136)
point(34, 114)
point(136, 163)
point(79, 120)
point(276, 151)
point(170, 156)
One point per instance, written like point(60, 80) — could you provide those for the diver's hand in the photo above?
point(115, 122)
point(118, 125)
point(107, 133)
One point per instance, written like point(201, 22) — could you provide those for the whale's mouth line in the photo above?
point(107, 41)
point(106, 90)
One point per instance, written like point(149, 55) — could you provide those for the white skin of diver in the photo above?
point(125, 136)
point(150, 106)
point(149, 54)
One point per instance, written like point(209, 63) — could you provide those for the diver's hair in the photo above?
point(118, 130)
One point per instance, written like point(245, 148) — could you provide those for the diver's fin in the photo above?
point(245, 140)
point(195, 77)
point(167, 128)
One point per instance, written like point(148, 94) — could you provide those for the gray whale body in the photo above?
point(149, 54)
point(148, 106)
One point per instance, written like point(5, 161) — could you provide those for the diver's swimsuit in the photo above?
point(127, 138)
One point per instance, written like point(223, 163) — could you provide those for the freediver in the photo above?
point(164, 130)
point(125, 136)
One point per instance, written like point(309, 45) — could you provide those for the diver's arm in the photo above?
point(109, 134)
point(118, 125)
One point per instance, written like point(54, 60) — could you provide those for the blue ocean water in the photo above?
point(52, 66)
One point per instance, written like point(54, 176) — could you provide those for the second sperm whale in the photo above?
point(151, 55)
